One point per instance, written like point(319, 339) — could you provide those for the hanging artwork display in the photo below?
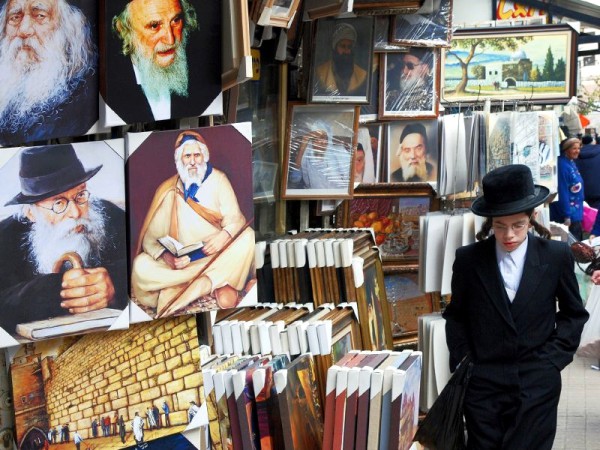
point(190, 219)
point(430, 26)
point(48, 72)
point(63, 235)
point(149, 75)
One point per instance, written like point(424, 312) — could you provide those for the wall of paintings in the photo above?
point(212, 213)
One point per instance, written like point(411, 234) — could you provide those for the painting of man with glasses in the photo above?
point(409, 87)
point(412, 157)
point(64, 248)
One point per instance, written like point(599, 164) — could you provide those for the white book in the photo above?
point(454, 237)
point(434, 257)
point(218, 339)
point(236, 336)
point(227, 337)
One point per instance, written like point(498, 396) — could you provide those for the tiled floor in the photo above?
point(579, 407)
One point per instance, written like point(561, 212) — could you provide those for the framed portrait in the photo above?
point(145, 91)
point(63, 220)
point(41, 99)
point(412, 151)
point(381, 37)
point(236, 51)
point(264, 176)
point(341, 65)
point(173, 214)
point(409, 84)
point(430, 26)
point(406, 301)
point(368, 157)
point(278, 13)
point(320, 146)
point(536, 63)
point(373, 308)
point(318, 9)
point(393, 212)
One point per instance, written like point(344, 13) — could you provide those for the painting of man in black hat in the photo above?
point(162, 59)
point(56, 212)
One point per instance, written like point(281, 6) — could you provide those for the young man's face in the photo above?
point(158, 27)
point(511, 231)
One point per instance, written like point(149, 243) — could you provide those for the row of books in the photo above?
point(372, 401)
point(272, 329)
point(263, 402)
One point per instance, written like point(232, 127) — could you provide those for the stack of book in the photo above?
point(263, 402)
point(372, 401)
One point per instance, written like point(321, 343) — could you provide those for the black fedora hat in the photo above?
point(49, 170)
point(509, 190)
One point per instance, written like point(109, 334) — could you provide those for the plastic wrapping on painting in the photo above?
point(320, 152)
point(381, 36)
point(425, 29)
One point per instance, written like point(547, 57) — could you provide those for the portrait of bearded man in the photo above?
point(155, 59)
point(67, 202)
point(412, 155)
point(48, 70)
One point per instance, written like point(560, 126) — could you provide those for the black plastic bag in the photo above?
point(443, 428)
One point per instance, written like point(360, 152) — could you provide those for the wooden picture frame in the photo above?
point(412, 151)
point(381, 37)
point(236, 51)
point(393, 211)
point(430, 26)
point(340, 42)
point(318, 138)
point(406, 302)
point(278, 13)
point(377, 7)
point(409, 93)
point(373, 307)
point(318, 9)
point(517, 71)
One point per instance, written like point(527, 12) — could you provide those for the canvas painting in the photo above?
point(191, 219)
point(48, 72)
point(534, 63)
point(63, 235)
point(499, 134)
point(114, 390)
point(154, 57)
point(407, 303)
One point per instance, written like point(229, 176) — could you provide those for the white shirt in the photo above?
point(161, 107)
point(511, 266)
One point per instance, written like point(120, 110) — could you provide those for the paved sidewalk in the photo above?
point(579, 407)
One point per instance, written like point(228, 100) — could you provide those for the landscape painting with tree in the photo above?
point(530, 64)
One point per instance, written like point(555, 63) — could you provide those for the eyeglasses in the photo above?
point(61, 204)
point(515, 227)
point(411, 66)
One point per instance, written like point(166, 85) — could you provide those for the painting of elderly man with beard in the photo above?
point(48, 70)
point(342, 58)
point(162, 59)
point(57, 211)
point(412, 156)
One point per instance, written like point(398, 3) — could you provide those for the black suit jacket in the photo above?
point(26, 296)
point(481, 320)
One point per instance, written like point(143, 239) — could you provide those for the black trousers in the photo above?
point(515, 413)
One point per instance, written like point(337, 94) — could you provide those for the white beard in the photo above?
point(419, 170)
point(31, 88)
point(186, 178)
point(411, 84)
point(48, 242)
point(156, 80)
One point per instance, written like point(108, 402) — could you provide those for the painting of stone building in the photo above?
point(98, 383)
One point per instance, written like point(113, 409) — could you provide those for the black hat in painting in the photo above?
point(509, 190)
point(49, 170)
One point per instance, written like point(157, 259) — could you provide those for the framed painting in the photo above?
point(405, 300)
point(278, 13)
point(430, 26)
point(341, 64)
point(236, 51)
point(381, 37)
point(320, 146)
point(409, 84)
point(318, 9)
point(536, 64)
point(393, 212)
point(369, 148)
point(412, 151)
point(377, 7)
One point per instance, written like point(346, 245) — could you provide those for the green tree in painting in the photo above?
point(478, 72)
point(548, 70)
point(560, 70)
point(476, 46)
point(535, 73)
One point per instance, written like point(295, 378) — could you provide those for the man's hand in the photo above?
point(596, 277)
point(216, 242)
point(86, 290)
point(175, 262)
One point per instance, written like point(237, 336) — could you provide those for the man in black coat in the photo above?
point(162, 59)
point(505, 293)
point(59, 216)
